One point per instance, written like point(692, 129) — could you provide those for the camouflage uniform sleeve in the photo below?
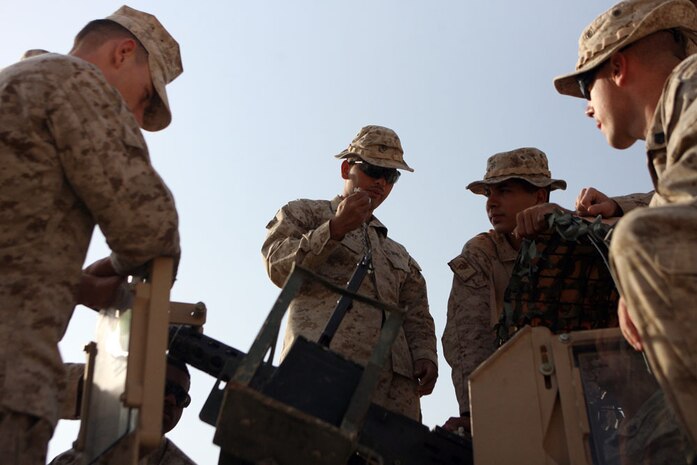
point(678, 181)
point(468, 338)
point(296, 235)
point(629, 202)
point(105, 159)
point(418, 324)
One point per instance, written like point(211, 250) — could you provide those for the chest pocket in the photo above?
point(398, 261)
point(354, 242)
point(391, 270)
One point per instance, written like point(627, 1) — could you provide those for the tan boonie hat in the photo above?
point(378, 146)
point(163, 57)
point(527, 163)
point(624, 24)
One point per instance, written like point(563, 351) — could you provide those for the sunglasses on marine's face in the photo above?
point(390, 175)
point(586, 81)
point(180, 395)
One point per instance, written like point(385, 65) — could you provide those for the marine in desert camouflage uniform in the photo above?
point(514, 181)
point(329, 237)
point(177, 384)
point(72, 155)
point(637, 69)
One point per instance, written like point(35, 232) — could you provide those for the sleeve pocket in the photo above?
point(466, 272)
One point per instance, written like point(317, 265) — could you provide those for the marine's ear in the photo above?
point(122, 50)
point(345, 168)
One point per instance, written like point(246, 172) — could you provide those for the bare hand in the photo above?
point(98, 292)
point(455, 423)
point(425, 373)
point(531, 221)
point(351, 213)
point(102, 267)
point(591, 202)
point(629, 331)
point(99, 284)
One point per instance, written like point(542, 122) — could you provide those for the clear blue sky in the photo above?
point(272, 89)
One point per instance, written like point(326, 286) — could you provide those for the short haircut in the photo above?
point(96, 32)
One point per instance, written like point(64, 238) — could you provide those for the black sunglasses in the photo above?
point(180, 395)
point(390, 175)
point(586, 80)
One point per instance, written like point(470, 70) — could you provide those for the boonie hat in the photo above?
point(378, 146)
point(163, 57)
point(624, 24)
point(527, 163)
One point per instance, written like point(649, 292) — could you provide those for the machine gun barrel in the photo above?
point(202, 352)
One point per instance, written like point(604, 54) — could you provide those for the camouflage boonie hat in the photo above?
point(528, 164)
point(163, 57)
point(378, 146)
point(624, 24)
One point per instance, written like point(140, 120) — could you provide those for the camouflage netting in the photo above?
point(562, 280)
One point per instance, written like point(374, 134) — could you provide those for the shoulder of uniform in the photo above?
point(687, 67)
point(305, 206)
point(682, 77)
point(476, 255)
point(42, 74)
point(52, 63)
point(397, 246)
point(483, 242)
point(306, 203)
point(303, 211)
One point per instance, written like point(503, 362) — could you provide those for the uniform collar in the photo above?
point(504, 250)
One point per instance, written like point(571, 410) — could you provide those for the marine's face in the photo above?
point(504, 201)
point(136, 88)
point(610, 106)
point(377, 188)
point(176, 388)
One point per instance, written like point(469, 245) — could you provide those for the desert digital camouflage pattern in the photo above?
point(629, 202)
point(623, 24)
point(378, 146)
point(72, 155)
point(481, 275)
point(167, 454)
point(526, 163)
point(300, 234)
point(654, 250)
point(482, 272)
point(24, 438)
point(164, 60)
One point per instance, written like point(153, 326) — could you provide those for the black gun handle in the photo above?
point(344, 303)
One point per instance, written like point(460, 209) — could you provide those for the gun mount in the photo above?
point(314, 408)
